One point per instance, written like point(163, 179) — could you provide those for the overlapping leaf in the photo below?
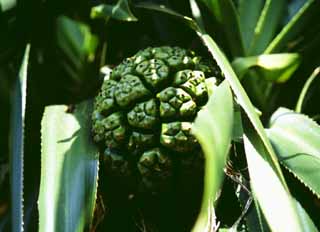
point(213, 128)
point(296, 138)
point(274, 67)
point(69, 170)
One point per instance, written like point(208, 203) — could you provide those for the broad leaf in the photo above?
point(16, 143)
point(275, 67)
point(268, 189)
point(298, 22)
point(69, 169)
point(249, 12)
point(295, 138)
point(213, 129)
point(267, 25)
point(120, 11)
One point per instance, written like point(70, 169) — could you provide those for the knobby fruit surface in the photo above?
point(144, 111)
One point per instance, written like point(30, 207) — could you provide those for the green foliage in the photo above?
point(17, 142)
point(69, 169)
point(213, 128)
point(296, 140)
point(264, 51)
point(274, 67)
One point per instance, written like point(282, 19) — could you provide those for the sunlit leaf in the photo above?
point(16, 143)
point(268, 188)
point(305, 89)
point(275, 67)
point(120, 11)
point(69, 169)
point(213, 128)
point(295, 138)
point(7, 4)
point(266, 27)
point(242, 99)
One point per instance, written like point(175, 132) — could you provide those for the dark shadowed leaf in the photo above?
point(298, 22)
point(16, 142)
point(77, 43)
point(227, 15)
point(120, 11)
point(69, 169)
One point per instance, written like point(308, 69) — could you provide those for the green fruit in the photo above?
point(144, 111)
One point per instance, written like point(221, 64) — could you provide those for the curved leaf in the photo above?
point(267, 24)
point(275, 67)
point(69, 169)
point(295, 138)
point(120, 11)
point(294, 27)
point(305, 89)
point(213, 128)
point(16, 143)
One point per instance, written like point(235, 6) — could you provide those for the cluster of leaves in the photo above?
point(266, 50)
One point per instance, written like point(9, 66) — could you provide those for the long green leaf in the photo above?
point(213, 128)
point(268, 188)
point(69, 170)
point(17, 143)
point(295, 138)
point(226, 13)
point(249, 12)
point(305, 89)
point(266, 27)
point(275, 67)
point(242, 99)
point(120, 11)
point(294, 27)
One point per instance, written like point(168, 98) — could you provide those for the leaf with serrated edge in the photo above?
point(69, 169)
point(295, 138)
point(16, 143)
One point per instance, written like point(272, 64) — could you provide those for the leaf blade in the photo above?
point(214, 123)
point(17, 143)
point(69, 170)
point(267, 25)
point(275, 67)
point(296, 138)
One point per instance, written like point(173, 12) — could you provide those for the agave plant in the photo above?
point(159, 115)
